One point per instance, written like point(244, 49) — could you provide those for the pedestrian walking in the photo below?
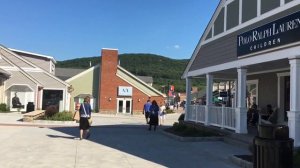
point(146, 110)
point(85, 115)
point(154, 110)
point(162, 114)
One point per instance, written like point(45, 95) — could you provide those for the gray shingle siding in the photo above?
point(223, 50)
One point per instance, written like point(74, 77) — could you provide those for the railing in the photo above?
point(196, 113)
point(223, 117)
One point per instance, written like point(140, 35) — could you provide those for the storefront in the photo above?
point(255, 45)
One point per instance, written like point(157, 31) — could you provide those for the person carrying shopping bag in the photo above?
point(85, 118)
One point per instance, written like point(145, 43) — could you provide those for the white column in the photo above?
point(209, 89)
point(258, 8)
point(188, 87)
point(281, 2)
point(241, 111)
point(240, 11)
point(294, 113)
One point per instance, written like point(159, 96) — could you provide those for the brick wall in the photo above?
point(109, 82)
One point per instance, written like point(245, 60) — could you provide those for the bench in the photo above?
point(29, 117)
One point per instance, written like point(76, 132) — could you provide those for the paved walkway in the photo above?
point(116, 141)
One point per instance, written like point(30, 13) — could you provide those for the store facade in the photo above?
point(255, 45)
point(29, 79)
point(114, 89)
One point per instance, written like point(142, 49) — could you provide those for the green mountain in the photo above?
point(163, 70)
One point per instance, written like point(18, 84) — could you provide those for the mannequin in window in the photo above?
point(16, 102)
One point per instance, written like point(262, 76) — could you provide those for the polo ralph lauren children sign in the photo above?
point(277, 33)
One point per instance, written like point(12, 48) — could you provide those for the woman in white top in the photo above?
point(162, 114)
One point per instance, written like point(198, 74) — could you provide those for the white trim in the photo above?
point(281, 2)
point(19, 85)
point(278, 91)
point(228, 2)
point(32, 69)
point(110, 49)
point(225, 17)
point(35, 54)
point(271, 56)
point(41, 98)
point(124, 105)
point(283, 74)
point(10, 68)
point(268, 71)
point(240, 11)
point(139, 80)
point(258, 8)
point(83, 73)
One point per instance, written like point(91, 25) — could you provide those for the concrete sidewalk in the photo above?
point(116, 141)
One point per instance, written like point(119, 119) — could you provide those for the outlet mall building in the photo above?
point(255, 44)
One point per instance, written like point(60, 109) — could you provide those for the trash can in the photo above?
point(272, 147)
point(29, 107)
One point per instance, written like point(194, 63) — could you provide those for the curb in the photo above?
point(192, 139)
point(240, 162)
point(53, 122)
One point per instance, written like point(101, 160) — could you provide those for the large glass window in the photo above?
point(209, 35)
point(249, 10)
point(232, 14)
point(219, 23)
point(252, 93)
point(267, 5)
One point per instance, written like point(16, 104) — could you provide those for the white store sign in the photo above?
point(124, 91)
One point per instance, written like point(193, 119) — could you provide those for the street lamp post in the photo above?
point(168, 93)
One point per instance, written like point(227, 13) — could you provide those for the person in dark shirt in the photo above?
point(146, 110)
point(16, 102)
point(154, 110)
point(85, 111)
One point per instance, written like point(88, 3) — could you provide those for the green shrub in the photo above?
point(51, 110)
point(297, 159)
point(169, 111)
point(181, 117)
point(3, 107)
point(186, 130)
point(62, 116)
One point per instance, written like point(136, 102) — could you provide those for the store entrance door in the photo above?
point(124, 105)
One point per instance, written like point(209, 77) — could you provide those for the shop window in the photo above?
point(232, 14)
point(252, 93)
point(287, 1)
point(219, 23)
point(209, 35)
point(267, 5)
point(249, 8)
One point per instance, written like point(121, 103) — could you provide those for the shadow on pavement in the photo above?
point(136, 140)
point(57, 136)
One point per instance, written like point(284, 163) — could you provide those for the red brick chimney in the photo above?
point(108, 79)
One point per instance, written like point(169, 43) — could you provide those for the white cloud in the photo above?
point(176, 46)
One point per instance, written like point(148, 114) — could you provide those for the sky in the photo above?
point(69, 29)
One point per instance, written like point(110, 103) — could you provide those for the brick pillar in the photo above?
point(108, 80)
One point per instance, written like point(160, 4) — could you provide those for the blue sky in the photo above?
point(68, 29)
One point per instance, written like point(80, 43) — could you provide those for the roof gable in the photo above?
point(30, 70)
point(137, 83)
